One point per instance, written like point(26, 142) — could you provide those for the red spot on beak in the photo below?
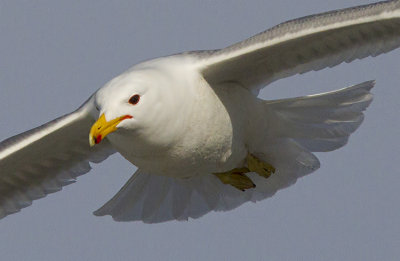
point(98, 139)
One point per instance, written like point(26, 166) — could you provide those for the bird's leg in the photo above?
point(236, 178)
point(261, 168)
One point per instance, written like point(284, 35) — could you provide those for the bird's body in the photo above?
point(191, 131)
point(194, 127)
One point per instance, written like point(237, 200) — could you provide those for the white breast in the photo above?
point(194, 136)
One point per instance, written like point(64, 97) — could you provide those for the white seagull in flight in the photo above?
point(194, 127)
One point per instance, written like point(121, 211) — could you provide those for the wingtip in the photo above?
point(98, 213)
point(369, 84)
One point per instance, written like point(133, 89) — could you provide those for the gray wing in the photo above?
point(42, 160)
point(306, 44)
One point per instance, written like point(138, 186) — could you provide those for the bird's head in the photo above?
point(126, 102)
point(141, 101)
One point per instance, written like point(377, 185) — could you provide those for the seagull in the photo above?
point(193, 125)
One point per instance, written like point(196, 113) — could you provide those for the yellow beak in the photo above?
point(101, 128)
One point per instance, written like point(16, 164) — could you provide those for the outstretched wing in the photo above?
point(306, 44)
point(42, 160)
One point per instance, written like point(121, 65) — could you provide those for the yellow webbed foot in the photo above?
point(261, 168)
point(236, 178)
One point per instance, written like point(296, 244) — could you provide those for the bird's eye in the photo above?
point(134, 99)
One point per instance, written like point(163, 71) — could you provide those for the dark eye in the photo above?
point(134, 99)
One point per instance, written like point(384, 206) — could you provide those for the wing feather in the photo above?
point(306, 44)
point(43, 160)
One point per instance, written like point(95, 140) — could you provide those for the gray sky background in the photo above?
point(54, 54)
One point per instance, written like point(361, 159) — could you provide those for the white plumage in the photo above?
point(198, 115)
